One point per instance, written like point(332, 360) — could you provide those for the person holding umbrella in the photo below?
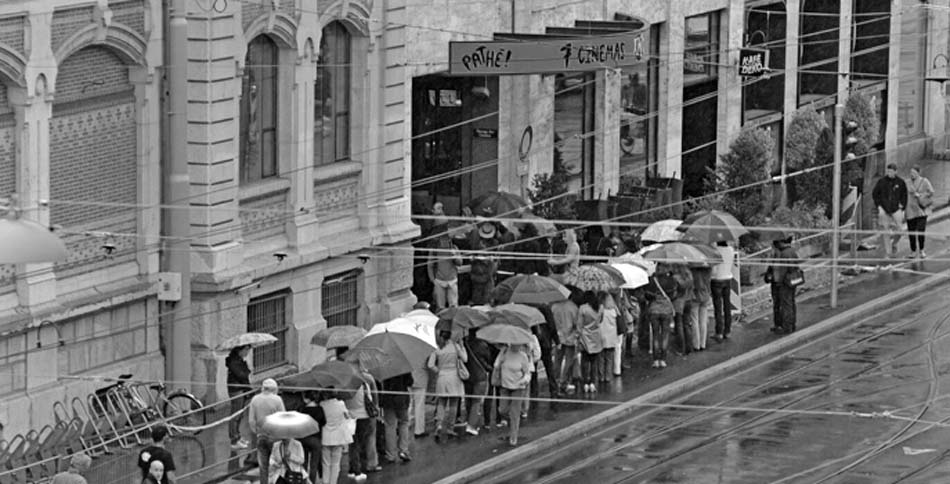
point(721, 288)
point(781, 274)
point(590, 341)
point(448, 386)
point(511, 373)
point(697, 312)
point(239, 384)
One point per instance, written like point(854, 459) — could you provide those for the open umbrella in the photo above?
point(337, 374)
point(338, 336)
point(526, 316)
point(711, 226)
point(505, 334)
point(423, 316)
point(289, 425)
point(247, 339)
point(662, 231)
point(467, 317)
point(637, 260)
point(676, 253)
point(634, 276)
point(590, 278)
point(406, 344)
point(714, 256)
point(618, 277)
point(531, 289)
point(27, 241)
point(499, 204)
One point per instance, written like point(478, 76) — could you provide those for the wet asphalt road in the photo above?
point(897, 362)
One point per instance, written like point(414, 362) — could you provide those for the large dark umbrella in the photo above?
point(505, 334)
point(711, 226)
point(499, 204)
point(530, 289)
point(338, 336)
point(406, 344)
point(337, 374)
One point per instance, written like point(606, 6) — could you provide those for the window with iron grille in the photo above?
point(340, 299)
point(268, 314)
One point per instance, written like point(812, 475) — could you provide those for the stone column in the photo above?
point(670, 129)
point(894, 76)
point(302, 229)
point(792, 31)
point(148, 119)
point(607, 133)
point(730, 82)
point(936, 103)
point(844, 51)
point(36, 283)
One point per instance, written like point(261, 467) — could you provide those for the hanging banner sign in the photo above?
point(753, 62)
point(576, 54)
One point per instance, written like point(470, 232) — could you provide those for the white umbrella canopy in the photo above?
point(247, 339)
point(637, 260)
point(23, 241)
point(289, 425)
point(409, 327)
point(634, 275)
point(662, 231)
point(421, 316)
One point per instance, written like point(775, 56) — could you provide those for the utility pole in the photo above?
point(836, 206)
point(178, 190)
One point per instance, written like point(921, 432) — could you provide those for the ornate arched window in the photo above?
point(259, 111)
point(332, 96)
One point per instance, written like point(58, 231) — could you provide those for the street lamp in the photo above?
point(24, 241)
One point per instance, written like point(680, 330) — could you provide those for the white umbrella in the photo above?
point(289, 425)
point(634, 275)
point(637, 260)
point(408, 327)
point(24, 241)
point(247, 339)
point(422, 316)
point(663, 231)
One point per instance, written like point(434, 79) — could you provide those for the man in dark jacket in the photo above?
point(890, 198)
point(479, 364)
point(239, 384)
point(784, 260)
point(394, 402)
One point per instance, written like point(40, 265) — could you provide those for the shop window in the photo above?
point(913, 65)
point(259, 111)
point(639, 97)
point(870, 40)
point(268, 314)
point(12, 364)
point(818, 50)
point(766, 29)
point(331, 107)
point(574, 129)
point(701, 53)
point(340, 299)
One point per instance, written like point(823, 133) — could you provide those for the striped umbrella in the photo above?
point(590, 278)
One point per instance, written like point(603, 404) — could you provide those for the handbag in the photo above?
point(460, 365)
point(289, 477)
point(925, 201)
point(794, 277)
point(371, 408)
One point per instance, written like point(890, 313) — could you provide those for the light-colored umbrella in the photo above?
point(23, 241)
point(520, 314)
point(590, 278)
point(416, 329)
point(637, 260)
point(338, 336)
point(505, 334)
point(618, 277)
point(289, 425)
point(337, 374)
point(531, 289)
point(247, 339)
point(711, 226)
point(423, 316)
point(467, 317)
point(676, 253)
point(634, 276)
point(662, 231)
point(405, 343)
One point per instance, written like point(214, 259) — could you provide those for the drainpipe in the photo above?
point(178, 191)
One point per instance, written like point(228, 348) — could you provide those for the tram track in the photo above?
point(712, 412)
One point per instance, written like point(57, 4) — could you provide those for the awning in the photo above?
point(589, 45)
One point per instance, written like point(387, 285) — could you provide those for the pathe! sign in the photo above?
point(574, 54)
point(753, 62)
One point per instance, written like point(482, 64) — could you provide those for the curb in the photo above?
point(689, 383)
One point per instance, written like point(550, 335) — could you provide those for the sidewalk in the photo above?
point(432, 461)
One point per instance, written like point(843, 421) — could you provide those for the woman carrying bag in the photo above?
point(511, 373)
point(920, 202)
point(449, 361)
point(287, 463)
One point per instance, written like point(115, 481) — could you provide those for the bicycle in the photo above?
point(143, 403)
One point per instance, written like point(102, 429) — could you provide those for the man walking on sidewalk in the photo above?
point(890, 198)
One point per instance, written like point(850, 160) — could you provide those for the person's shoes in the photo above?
point(662, 363)
point(777, 330)
point(422, 435)
point(923, 255)
point(570, 388)
point(524, 415)
point(240, 444)
point(471, 430)
point(656, 364)
point(913, 255)
point(502, 423)
point(375, 469)
point(360, 477)
point(512, 443)
point(405, 456)
point(718, 337)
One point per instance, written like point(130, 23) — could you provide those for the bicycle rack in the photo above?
point(101, 424)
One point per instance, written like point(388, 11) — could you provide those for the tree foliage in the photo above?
point(804, 149)
point(548, 186)
point(740, 172)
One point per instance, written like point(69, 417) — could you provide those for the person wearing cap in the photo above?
point(157, 451)
point(483, 266)
point(263, 404)
point(78, 464)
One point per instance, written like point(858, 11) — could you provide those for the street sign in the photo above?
point(547, 56)
point(753, 62)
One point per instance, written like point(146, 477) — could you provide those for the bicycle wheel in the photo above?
point(184, 410)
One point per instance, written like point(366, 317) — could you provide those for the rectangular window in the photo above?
point(818, 50)
point(639, 98)
point(574, 104)
point(259, 111)
point(268, 314)
point(103, 338)
point(765, 29)
point(913, 65)
point(701, 53)
point(340, 299)
point(13, 364)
